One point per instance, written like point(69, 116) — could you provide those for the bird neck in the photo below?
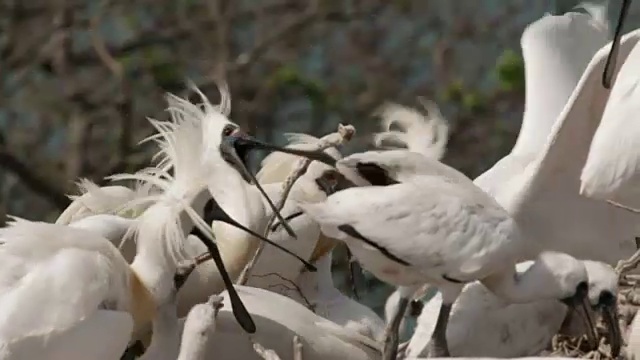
point(318, 286)
point(198, 324)
point(519, 287)
point(160, 246)
point(243, 203)
point(143, 306)
point(165, 342)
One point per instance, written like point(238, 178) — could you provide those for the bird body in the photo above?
point(333, 305)
point(436, 229)
point(437, 222)
point(278, 320)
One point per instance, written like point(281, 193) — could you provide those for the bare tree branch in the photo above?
point(39, 184)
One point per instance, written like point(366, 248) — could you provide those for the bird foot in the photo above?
point(435, 351)
point(402, 351)
point(390, 348)
point(134, 351)
point(297, 348)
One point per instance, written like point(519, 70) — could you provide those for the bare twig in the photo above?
point(624, 207)
point(266, 354)
point(33, 180)
point(98, 43)
point(218, 10)
point(294, 287)
point(311, 16)
point(344, 133)
point(125, 97)
point(629, 264)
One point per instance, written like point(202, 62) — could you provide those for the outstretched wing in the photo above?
point(565, 152)
point(612, 169)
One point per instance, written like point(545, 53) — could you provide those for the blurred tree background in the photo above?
point(79, 77)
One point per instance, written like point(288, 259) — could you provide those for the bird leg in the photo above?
point(402, 350)
point(297, 348)
point(438, 347)
point(134, 351)
point(353, 268)
point(391, 336)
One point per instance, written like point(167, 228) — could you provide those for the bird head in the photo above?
point(603, 287)
point(565, 278)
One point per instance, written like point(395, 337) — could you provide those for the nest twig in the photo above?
point(343, 134)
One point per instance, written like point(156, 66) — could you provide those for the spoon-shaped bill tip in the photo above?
point(213, 212)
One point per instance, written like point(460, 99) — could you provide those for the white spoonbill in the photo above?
point(240, 200)
point(202, 137)
point(91, 291)
point(222, 164)
point(435, 229)
point(538, 182)
point(481, 324)
point(278, 319)
point(426, 135)
point(95, 299)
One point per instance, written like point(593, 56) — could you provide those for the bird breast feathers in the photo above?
point(418, 220)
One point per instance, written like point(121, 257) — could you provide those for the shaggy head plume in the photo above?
point(425, 134)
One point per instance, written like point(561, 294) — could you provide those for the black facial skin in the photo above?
point(234, 148)
point(374, 174)
point(580, 302)
point(244, 142)
point(332, 181)
point(607, 305)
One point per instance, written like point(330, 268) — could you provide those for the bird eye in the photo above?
point(228, 130)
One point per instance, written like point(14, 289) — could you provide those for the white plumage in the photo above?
point(278, 320)
point(539, 181)
point(612, 168)
point(437, 228)
point(83, 280)
point(482, 324)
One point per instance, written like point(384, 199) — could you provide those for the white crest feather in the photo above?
point(276, 166)
point(183, 147)
point(425, 134)
point(94, 199)
point(598, 10)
